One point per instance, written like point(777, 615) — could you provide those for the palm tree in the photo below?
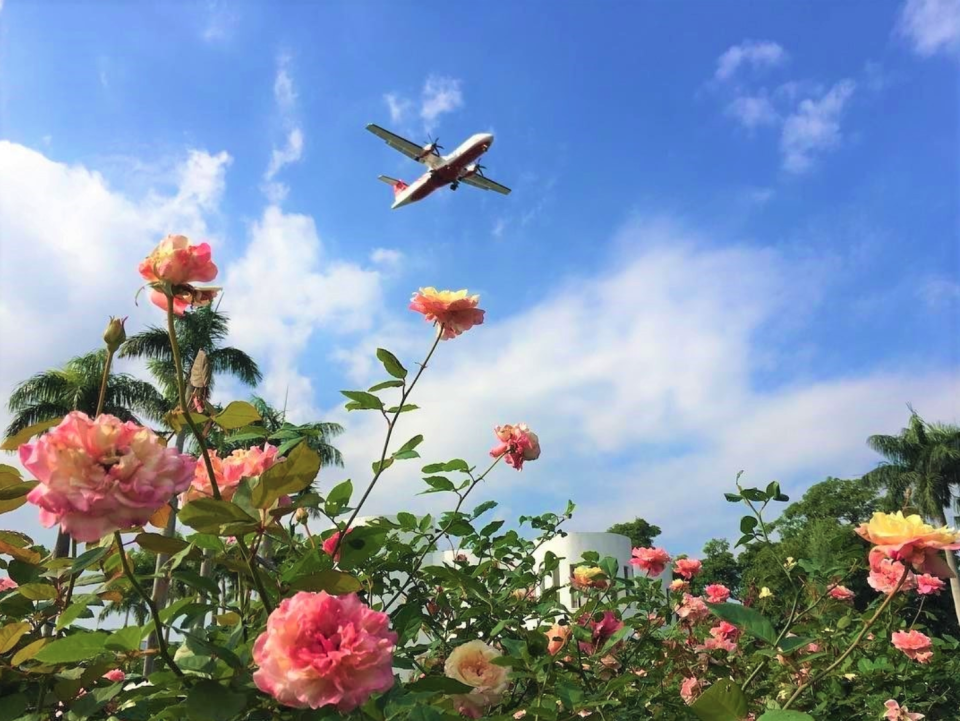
point(923, 464)
point(316, 434)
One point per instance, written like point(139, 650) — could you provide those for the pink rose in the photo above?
point(7, 584)
point(885, 574)
point(602, 631)
point(687, 567)
point(723, 636)
point(914, 644)
point(184, 297)
point(230, 471)
point(115, 675)
point(690, 689)
point(650, 560)
point(176, 261)
point(841, 593)
point(897, 713)
point(927, 584)
point(471, 663)
point(518, 443)
point(717, 593)
point(100, 476)
point(455, 311)
point(692, 609)
point(321, 650)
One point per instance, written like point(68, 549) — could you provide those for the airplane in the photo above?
point(460, 166)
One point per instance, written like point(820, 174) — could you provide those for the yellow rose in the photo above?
point(895, 529)
point(586, 577)
point(766, 593)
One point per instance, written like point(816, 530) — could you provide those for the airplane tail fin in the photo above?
point(398, 185)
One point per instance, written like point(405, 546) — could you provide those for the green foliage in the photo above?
point(640, 533)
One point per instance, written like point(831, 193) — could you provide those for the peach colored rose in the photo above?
point(929, 585)
point(914, 644)
point(230, 471)
point(331, 543)
point(651, 561)
point(104, 475)
point(895, 712)
point(723, 636)
point(455, 311)
point(472, 664)
point(911, 540)
point(717, 593)
point(690, 689)
point(518, 443)
point(115, 675)
point(8, 584)
point(321, 650)
point(678, 585)
point(885, 574)
point(585, 577)
point(687, 567)
point(176, 261)
point(557, 637)
point(692, 609)
point(841, 593)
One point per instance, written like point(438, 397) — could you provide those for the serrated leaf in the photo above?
point(722, 701)
point(438, 684)
point(14, 442)
point(364, 401)
point(77, 647)
point(11, 634)
point(17, 490)
point(21, 554)
point(237, 414)
point(746, 619)
point(38, 591)
point(390, 362)
point(286, 478)
point(333, 582)
point(384, 385)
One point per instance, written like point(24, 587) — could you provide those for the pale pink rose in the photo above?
point(914, 644)
point(557, 637)
point(321, 650)
point(104, 475)
point(651, 561)
point(115, 675)
point(841, 593)
point(678, 585)
point(723, 636)
point(690, 689)
point(602, 630)
point(331, 543)
point(230, 471)
point(520, 714)
point(456, 311)
point(692, 609)
point(177, 262)
point(472, 663)
point(717, 593)
point(895, 712)
point(927, 584)
point(518, 443)
point(885, 574)
point(687, 567)
point(7, 584)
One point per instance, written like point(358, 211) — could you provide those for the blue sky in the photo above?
point(733, 241)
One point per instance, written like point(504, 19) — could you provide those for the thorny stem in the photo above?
point(157, 624)
point(103, 383)
point(391, 424)
point(852, 646)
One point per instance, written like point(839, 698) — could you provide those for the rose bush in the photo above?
point(367, 621)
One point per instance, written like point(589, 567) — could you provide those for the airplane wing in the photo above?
point(411, 150)
point(480, 181)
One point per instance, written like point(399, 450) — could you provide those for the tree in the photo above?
point(719, 566)
point(922, 468)
point(846, 501)
point(640, 533)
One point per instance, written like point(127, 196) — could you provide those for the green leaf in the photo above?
point(746, 619)
point(363, 401)
point(287, 478)
point(333, 582)
point(732, 497)
point(406, 408)
point(11, 634)
point(126, 639)
point(394, 367)
point(747, 524)
point(38, 591)
point(381, 466)
point(78, 647)
point(361, 543)
point(72, 613)
point(781, 715)
point(773, 490)
point(438, 684)
point(843, 623)
point(88, 558)
point(159, 543)
point(754, 494)
point(237, 414)
point(212, 701)
point(483, 508)
point(792, 643)
point(15, 441)
point(16, 490)
point(208, 514)
point(723, 701)
point(13, 707)
point(339, 497)
point(439, 483)
point(407, 521)
point(410, 445)
point(385, 384)
point(744, 540)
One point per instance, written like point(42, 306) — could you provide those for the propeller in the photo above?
point(478, 169)
point(433, 146)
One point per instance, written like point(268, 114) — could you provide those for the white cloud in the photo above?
point(386, 256)
point(398, 106)
point(939, 291)
point(440, 95)
point(758, 54)
point(499, 228)
point(932, 26)
point(285, 95)
point(221, 21)
point(814, 127)
point(284, 91)
point(752, 111)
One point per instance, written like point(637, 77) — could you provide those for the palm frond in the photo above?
point(232, 361)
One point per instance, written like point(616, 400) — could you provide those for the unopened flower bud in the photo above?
point(302, 516)
point(115, 335)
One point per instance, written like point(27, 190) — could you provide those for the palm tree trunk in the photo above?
point(161, 581)
point(952, 563)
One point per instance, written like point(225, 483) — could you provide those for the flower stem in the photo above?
point(391, 424)
point(103, 383)
point(853, 645)
point(157, 624)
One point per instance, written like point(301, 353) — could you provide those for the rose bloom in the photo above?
point(652, 561)
point(692, 609)
point(184, 297)
point(115, 675)
point(723, 636)
point(472, 663)
point(885, 574)
point(841, 593)
point(717, 593)
point(321, 650)
point(687, 567)
point(766, 593)
point(911, 540)
point(585, 577)
point(690, 689)
point(895, 712)
point(8, 584)
point(602, 630)
point(927, 584)
point(455, 311)
point(678, 585)
point(104, 475)
point(518, 443)
point(331, 543)
point(230, 471)
point(557, 637)
point(176, 264)
point(914, 644)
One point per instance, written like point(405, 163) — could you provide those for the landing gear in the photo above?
point(454, 186)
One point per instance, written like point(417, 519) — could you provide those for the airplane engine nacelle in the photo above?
point(469, 170)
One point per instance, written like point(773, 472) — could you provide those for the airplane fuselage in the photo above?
point(453, 167)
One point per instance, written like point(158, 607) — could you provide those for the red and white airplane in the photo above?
point(460, 166)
